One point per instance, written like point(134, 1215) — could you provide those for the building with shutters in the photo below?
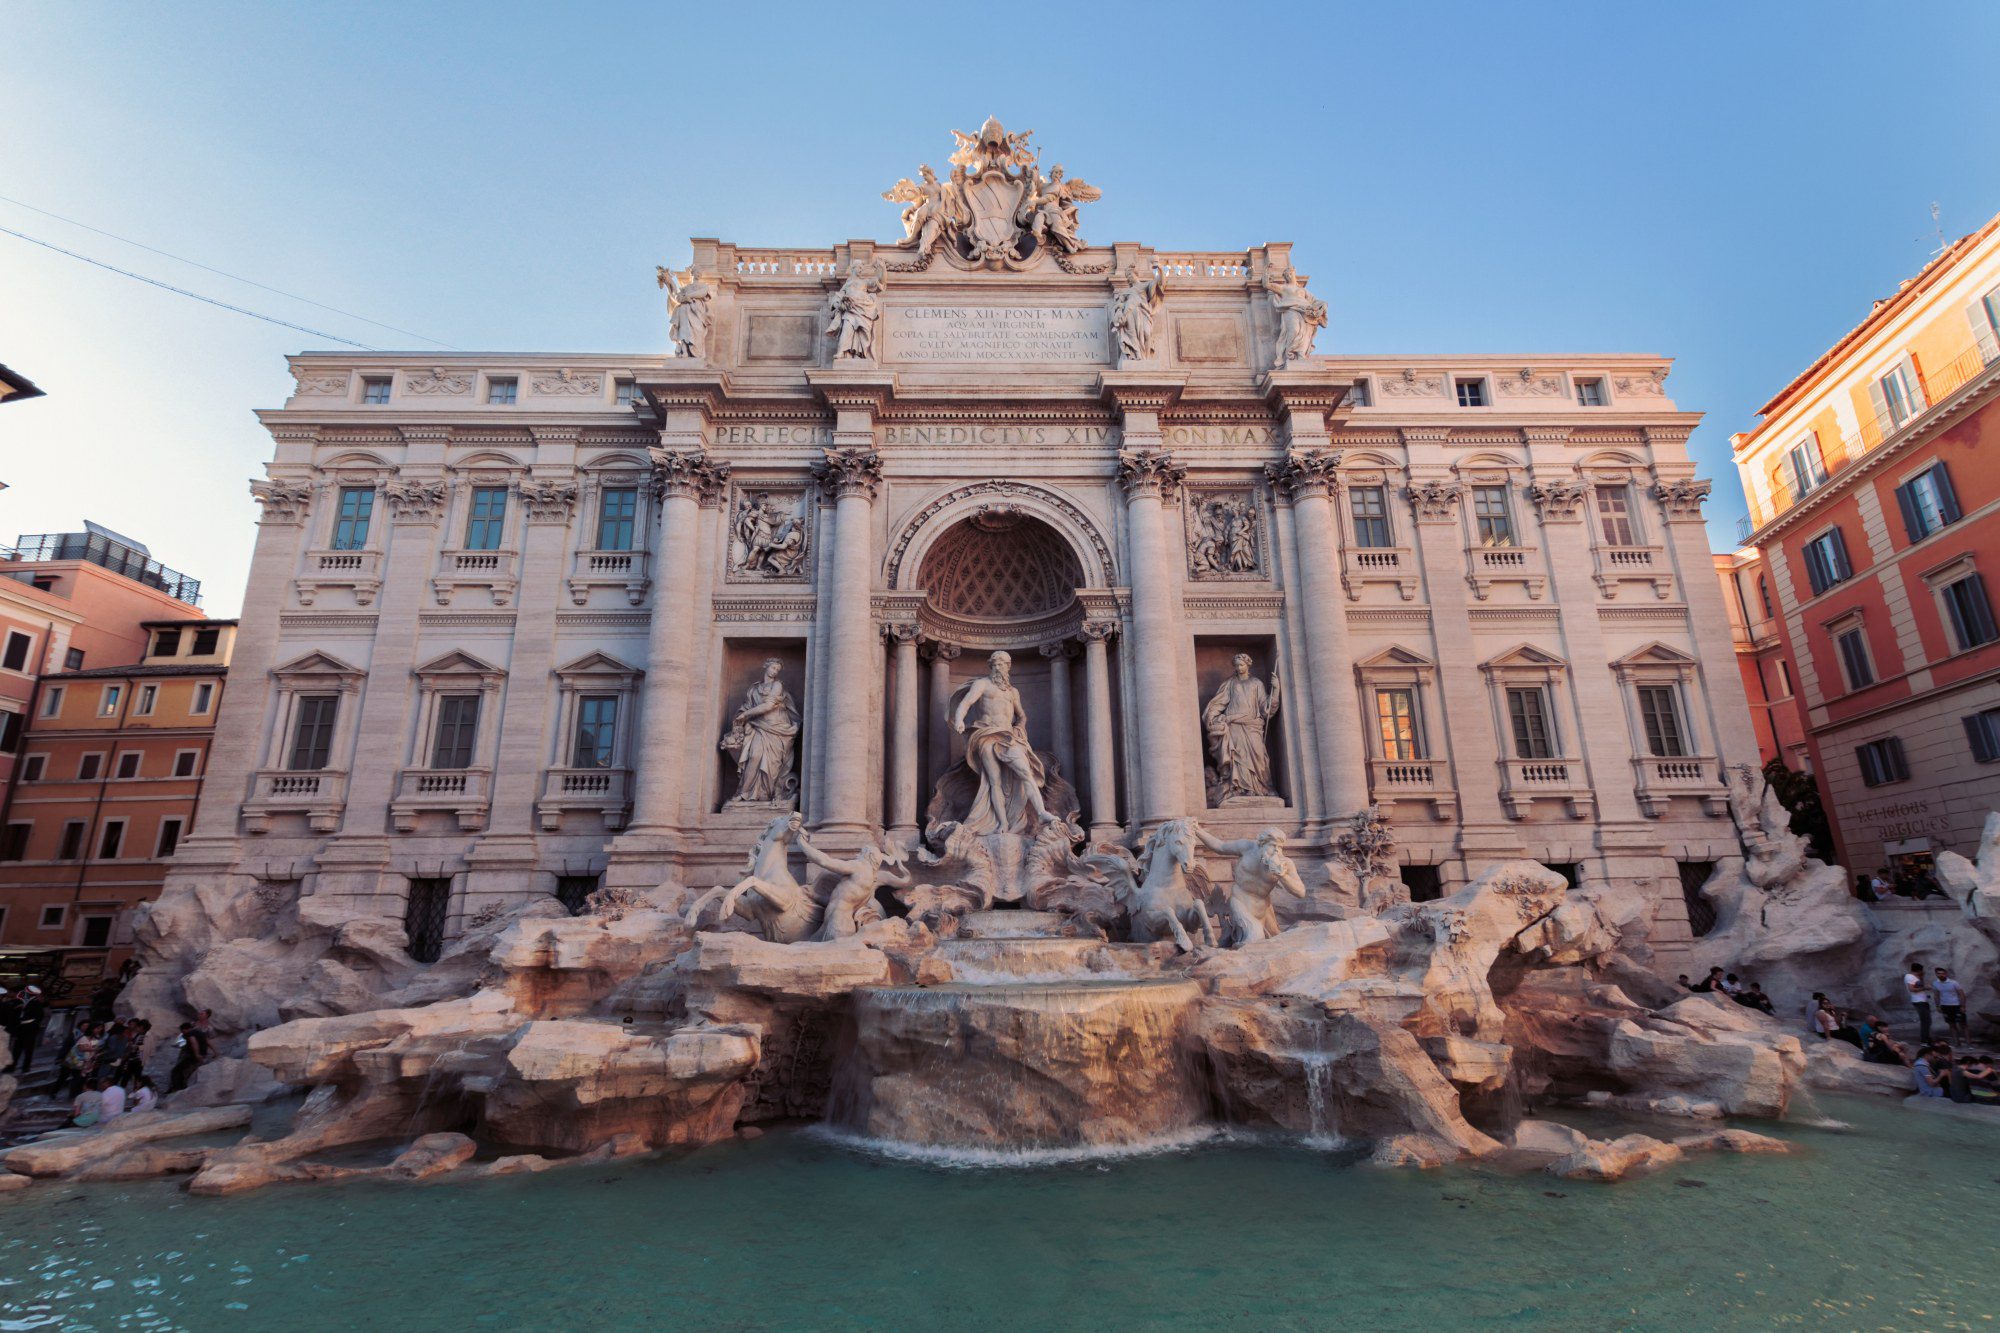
point(1875, 507)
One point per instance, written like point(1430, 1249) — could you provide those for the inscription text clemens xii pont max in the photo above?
point(995, 333)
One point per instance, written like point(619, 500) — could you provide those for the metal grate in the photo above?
point(1701, 914)
point(573, 890)
point(423, 919)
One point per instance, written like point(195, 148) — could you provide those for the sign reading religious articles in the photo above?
point(996, 209)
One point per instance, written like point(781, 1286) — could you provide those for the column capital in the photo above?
point(850, 472)
point(546, 499)
point(939, 651)
point(1682, 498)
point(1559, 500)
point(1434, 501)
point(1097, 631)
point(903, 633)
point(1306, 473)
point(1057, 648)
point(284, 502)
point(689, 473)
point(1149, 473)
point(414, 499)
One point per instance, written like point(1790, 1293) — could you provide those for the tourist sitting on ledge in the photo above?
point(1847, 1028)
point(1709, 984)
point(1683, 982)
point(1925, 1077)
point(88, 1108)
point(1882, 1049)
point(1753, 997)
point(1980, 1078)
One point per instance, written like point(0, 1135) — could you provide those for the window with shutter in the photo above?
point(1982, 732)
point(1527, 709)
point(1614, 516)
point(1984, 317)
point(457, 731)
point(1396, 721)
point(1970, 612)
point(1882, 762)
point(1659, 710)
point(1854, 662)
point(1928, 502)
point(1370, 508)
point(1826, 561)
point(312, 734)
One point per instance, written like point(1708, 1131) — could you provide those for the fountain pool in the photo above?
point(1892, 1222)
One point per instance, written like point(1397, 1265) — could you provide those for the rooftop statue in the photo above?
point(996, 208)
point(687, 303)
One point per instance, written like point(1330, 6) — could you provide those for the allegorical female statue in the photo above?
point(853, 311)
point(1236, 720)
point(1009, 799)
point(760, 739)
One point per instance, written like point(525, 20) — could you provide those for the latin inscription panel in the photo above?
point(946, 333)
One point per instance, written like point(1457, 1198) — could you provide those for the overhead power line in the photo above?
point(233, 277)
point(182, 291)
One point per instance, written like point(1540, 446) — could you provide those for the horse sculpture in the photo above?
point(1166, 902)
point(768, 894)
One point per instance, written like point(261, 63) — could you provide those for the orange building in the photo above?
point(1875, 502)
point(110, 775)
point(1770, 682)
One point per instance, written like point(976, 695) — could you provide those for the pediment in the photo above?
point(1396, 658)
point(1525, 655)
point(317, 663)
point(597, 664)
point(1656, 654)
point(458, 662)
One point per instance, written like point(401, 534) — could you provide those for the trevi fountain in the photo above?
point(714, 1017)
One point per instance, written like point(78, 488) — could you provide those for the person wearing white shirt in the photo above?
point(144, 1098)
point(1919, 989)
point(114, 1102)
point(1951, 1003)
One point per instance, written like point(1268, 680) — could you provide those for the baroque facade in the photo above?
point(532, 624)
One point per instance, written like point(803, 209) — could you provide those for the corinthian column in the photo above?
point(682, 479)
point(1059, 708)
point(1151, 478)
point(942, 656)
point(1097, 709)
point(1311, 476)
point(853, 659)
point(903, 756)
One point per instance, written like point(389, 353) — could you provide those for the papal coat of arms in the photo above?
point(997, 209)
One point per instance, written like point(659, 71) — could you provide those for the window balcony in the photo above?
point(1414, 780)
point(602, 791)
point(495, 571)
point(1525, 781)
point(464, 792)
point(1488, 565)
point(608, 569)
point(358, 571)
point(320, 795)
point(1362, 565)
point(1633, 564)
point(1661, 778)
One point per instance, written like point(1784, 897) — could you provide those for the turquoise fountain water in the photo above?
point(1893, 1222)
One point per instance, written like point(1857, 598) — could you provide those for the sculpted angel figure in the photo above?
point(1133, 311)
point(928, 207)
point(1048, 209)
point(687, 300)
point(1262, 872)
point(1300, 316)
point(1236, 719)
point(1010, 776)
point(855, 308)
point(760, 738)
point(852, 905)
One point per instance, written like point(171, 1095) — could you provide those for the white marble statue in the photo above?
point(772, 537)
point(931, 207)
point(855, 308)
point(852, 905)
point(1225, 537)
point(1236, 720)
point(1048, 208)
point(1262, 872)
point(768, 894)
point(760, 740)
point(1134, 310)
point(1300, 316)
point(1166, 901)
point(687, 300)
point(1009, 799)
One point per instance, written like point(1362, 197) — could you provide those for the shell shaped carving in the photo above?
point(1000, 568)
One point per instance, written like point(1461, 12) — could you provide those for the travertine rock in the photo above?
point(67, 1151)
point(9, 1182)
point(1794, 937)
point(1546, 1136)
point(1733, 1140)
point(1713, 1050)
point(1614, 1159)
point(227, 1081)
point(433, 1155)
point(1418, 1150)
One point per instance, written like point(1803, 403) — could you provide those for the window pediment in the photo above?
point(317, 665)
point(1525, 657)
point(599, 669)
point(458, 663)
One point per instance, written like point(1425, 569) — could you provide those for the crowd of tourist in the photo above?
point(101, 1064)
point(1908, 882)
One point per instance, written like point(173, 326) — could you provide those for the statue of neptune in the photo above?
point(1010, 776)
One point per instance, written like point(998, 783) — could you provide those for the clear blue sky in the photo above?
point(1730, 184)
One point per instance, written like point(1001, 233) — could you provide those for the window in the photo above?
point(1807, 467)
point(73, 659)
point(1970, 613)
point(149, 696)
point(185, 762)
point(1659, 710)
point(1614, 516)
point(1928, 502)
point(1701, 912)
point(166, 642)
point(170, 838)
point(312, 734)
point(1370, 507)
point(573, 891)
point(1590, 393)
point(128, 764)
point(1491, 513)
point(206, 641)
point(10, 732)
point(596, 731)
point(18, 647)
point(1882, 762)
point(1396, 723)
point(1360, 394)
point(423, 917)
point(53, 916)
point(32, 766)
point(1785, 676)
point(52, 701)
point(1528, 711)
point(204, 697)
point(350, 528)
point(375, 389)
point(111, 840)
point(489, 515)
point(1853, 645)
point(96, 931)
point(502, 389)
point(628, 396)
point(1571, 871)
point(89, 766)
point(1984, 316)
point(1898, 395)
point(1982, 730)
point(1471, 393)
point(1425, 883)
point(71, 846)
point(107, 702)
point(457, 731)
point(14, 841)
point(1764, 595)
point(1826, 561)
point(617, 517)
